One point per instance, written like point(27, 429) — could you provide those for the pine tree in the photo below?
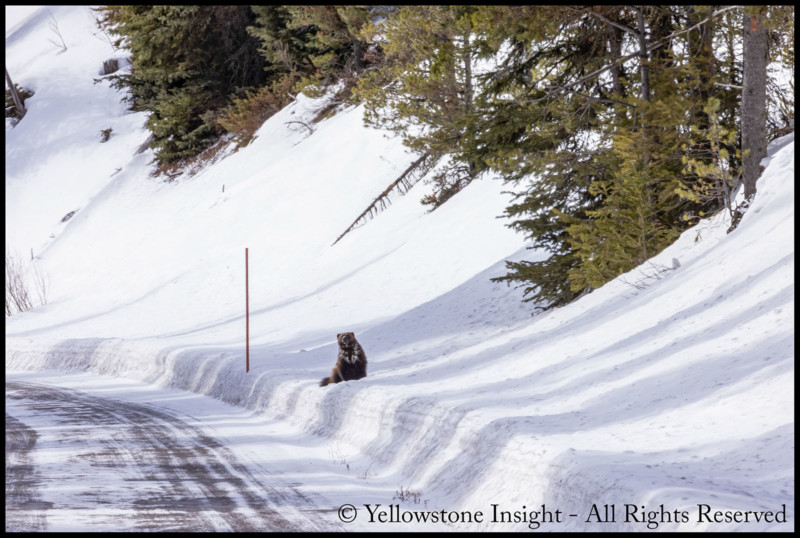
point(333, 45)
point(616, 125)
point(187, 63)
point(545, 141)
point(673, 165)
point(780, 95)
point(425, 91)
point(284, 46)
point(311, 48)
point(613, 190)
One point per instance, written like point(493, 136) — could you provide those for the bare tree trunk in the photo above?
point(15, 96)
point(468, 89)
point(643, 55)
point(647, 132)
point(615, 38)
point(754, 102)
point(402, 184)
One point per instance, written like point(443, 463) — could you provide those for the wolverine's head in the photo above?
point(346, 340)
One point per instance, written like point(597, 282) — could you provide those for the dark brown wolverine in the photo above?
point(351, 363)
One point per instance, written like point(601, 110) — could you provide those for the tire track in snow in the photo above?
point(23, 505)
point(108, 464)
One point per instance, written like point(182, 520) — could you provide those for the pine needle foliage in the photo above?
point(187, 62)
point(424, 89)
point(616, 126)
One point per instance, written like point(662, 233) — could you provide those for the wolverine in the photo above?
point(351, 363)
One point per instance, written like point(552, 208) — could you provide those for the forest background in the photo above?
point(616, 127)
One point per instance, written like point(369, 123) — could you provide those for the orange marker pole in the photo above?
point(247, 309)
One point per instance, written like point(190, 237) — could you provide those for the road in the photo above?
point(77, 461)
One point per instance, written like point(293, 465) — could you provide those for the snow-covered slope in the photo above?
point(670, 387)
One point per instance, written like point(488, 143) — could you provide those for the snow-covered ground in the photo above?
point(667, 391)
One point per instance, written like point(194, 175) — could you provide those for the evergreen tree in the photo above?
point(334, 44)
point(313, 47)
point(284, 46)
point(780, 94)
point(617, 125)
point(551, 139)
point(653, 195)
point(334, 47)
point(612, 191)
point(187, 62)
point(425, 90)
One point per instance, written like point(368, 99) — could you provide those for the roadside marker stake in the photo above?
point(247, 309)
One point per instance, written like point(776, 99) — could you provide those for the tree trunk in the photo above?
point(15, 96)
point(618, 76)
point(754, 102)
point(701, 49)
point(645, 73)
point(468, 89)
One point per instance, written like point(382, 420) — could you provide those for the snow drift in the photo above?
point(669, 388)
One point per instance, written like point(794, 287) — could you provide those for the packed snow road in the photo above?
point(79, 461)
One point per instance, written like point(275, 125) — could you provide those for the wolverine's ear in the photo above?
point(338, 335)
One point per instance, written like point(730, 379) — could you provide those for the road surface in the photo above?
point(83, 462)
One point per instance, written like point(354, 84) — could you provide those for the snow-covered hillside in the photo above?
point(668, 389)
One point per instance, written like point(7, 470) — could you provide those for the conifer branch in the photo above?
point(402, 184)
point(553, 91)
point(623, 27)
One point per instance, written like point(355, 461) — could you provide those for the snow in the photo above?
point(668, 388)
point(17, 15)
